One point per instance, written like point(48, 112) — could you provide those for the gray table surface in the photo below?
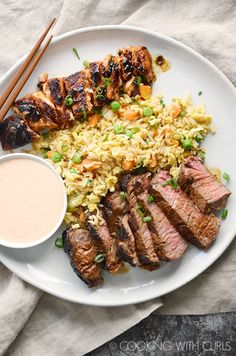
point(185, 335)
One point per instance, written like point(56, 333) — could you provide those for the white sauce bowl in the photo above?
point(60, 191)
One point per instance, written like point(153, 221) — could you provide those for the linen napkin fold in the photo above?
point(34, 323)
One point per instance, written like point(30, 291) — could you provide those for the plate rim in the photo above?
point(211, 260)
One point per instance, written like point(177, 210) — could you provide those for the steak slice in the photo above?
point(82, 250)
point(126, 243)
point(107, 243)
point(205, 190)
point(114, 208)
point(197, 227)
point(143, 237)
point(169, 244)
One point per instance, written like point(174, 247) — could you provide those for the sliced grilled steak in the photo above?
point(82, 250)
point(169, 244)
point(114, 208)
point(126, 244)
point(144, 244)
point(107, 243)
point(197, 227)
point(205, 190)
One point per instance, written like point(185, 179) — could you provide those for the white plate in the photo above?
point(47, 267)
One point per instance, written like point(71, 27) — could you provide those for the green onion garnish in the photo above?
point(76, 53)
point(201, 155)
point(139, 210)
point(147, 218)
point(186, 144)
point(183, 113)
point(129, 133)
point(107, 81)
point(171, 181)
point(106, 137)
point(224, 214)
point(123, 195)
point(198, 139)
point(86, 64)
point(200, 93)
point(100, 97)
point(77, 159)
point(118, 129)
point(226, 177)
point(115, 105)
point(150, 199)
point(73, 170)
point(138, 80)
point(147, 111)
point(45, 134)
point(64, 148)
point(99, 258)
point(69, 100)
point(162, 102)
point(59, 242)
point(56, 157)
point(89, 182)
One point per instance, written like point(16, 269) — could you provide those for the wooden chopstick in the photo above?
point(23, 80)
point(25, 64)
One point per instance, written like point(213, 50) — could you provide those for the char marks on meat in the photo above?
point(169, 244)
point(197, 227)
point(106, 242)
point(82, 251)
point(144, 243)
point(126, 244)
point(204, 189)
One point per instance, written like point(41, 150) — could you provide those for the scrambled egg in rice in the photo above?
point(148, 133)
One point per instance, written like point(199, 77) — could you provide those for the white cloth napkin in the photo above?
point(34, 323)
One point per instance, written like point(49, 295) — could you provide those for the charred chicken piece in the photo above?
point(15, 133)
point(107, 243)
point(82, 251)
point(54, 89)
point(37, 110)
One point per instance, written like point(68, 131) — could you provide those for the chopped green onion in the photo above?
point(86, 64)
point(187, 144)
point(147, 111)
point(123, 195)
point(135, 101)
point(73, 170)
point(201, 155)
point(59, 242)
point(76, 53)
point(176, 136)
point(115, 105)
point(162, 102)
point(45, 134)
point(139, 210)
point(226, 177)
point(171, 181)
point(106, 137)
point(200, 93)
point(56, 157)
point(198, 139)
point(100, 97)
point(129, 133)
point(138, 80)
point(99, 258)
point(45, 153)
point(147, 218)
point(107, 82)
point(84, 113)
point(150, 199)
point(224, 214)
point(118, 129)
point(64, 148)
point(69, 100)
point(89, 182)
point(77, 158)
point(97, 110)
point(183, 113)
point(155, 126)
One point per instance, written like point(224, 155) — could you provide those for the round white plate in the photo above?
point(46, 266)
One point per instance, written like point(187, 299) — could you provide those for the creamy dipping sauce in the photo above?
point(31, 200)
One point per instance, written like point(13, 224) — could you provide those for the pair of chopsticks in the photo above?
point(23, 73)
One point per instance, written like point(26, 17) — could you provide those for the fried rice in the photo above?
point(92, 154)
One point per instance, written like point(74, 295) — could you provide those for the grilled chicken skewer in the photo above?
point(61, 101)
